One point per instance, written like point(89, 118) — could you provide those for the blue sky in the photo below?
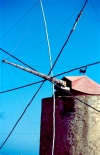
point(27, 41)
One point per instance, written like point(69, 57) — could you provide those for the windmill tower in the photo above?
point(77, 125)
point(77, 115)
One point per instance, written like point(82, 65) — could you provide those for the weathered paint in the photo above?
point(77, 133)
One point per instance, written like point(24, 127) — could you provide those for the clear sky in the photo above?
point(27, 41)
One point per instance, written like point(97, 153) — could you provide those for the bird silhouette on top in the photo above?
point(83, 70)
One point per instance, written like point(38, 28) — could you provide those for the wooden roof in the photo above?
point(83, 84)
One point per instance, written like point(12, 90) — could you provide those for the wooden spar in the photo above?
point(49, 78)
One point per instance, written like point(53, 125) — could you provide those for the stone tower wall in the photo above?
point(77, 126)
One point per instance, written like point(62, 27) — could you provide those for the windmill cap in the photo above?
point(82, 84)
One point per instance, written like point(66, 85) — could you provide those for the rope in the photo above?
point(5, 91)
point(19, 42)
point(21, 103)
point(20, 117)
point(19, 21)
point(16, 58)
point(95, 63)
point(51, 73)
point(43, 82)
point(72, 30)
point(95, 10)
point(78, 99)
point(31, 102)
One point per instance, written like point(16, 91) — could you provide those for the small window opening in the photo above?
point(68, 105)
